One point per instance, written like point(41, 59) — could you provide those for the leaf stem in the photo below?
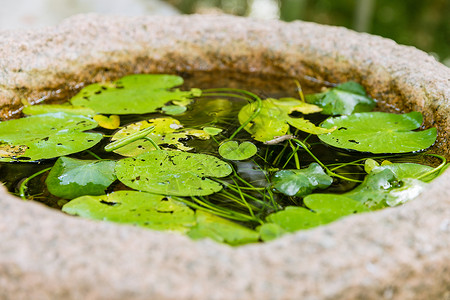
point(331, 173)
point(443, 163)
point(129, 139)
point(23, 186)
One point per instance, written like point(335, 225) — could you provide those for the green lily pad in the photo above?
point(46, 136)
point(70, 178)
point(344, 99)
point(136, 208)
point(173, 109)
point(274, 118)
point(52, 108)
point(133, 94)
point(331, 207)
point(212, 130)
point(270, 231)
point(378, 132)
point(383, 188)
point(294, 218)
point(325, 208)
point(301, 182)
point(221, 230)
point(233, 151)
point(172, 173)
point(168, 133)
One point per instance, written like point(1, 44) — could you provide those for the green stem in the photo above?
point(331, 173)
point(152, 142)
point(129, 139)
point(294, 151)
point(94, 155)
point(443, 163)
point(23, 186)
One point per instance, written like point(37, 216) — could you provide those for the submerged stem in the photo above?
point(23, 186)
point(331, 173)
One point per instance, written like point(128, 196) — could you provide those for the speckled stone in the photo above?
point(399, 253)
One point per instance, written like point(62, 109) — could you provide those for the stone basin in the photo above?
point(397, 253)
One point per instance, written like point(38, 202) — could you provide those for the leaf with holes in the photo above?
point(173, 173)
point(133, 94)
point(344, 99)
point(275, 117)
point(135, 208)
point(46, 136)
point(233, 151)
point(168, 133)
point(301, 182)
point(70, 178)
point(221, 230)
point(52, 108)
point(379, 132)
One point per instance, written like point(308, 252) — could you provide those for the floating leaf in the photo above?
point(212, 130)
point(111, 122)
point(70, 178)
point(233, 151)
point(370, 164)
point(405, 170)
point(168, 133)
point(133, 94)
point(378, 132)
point(52, 108)
point(221, 230)
point(137, 208)
point(331, 207)
point(344, 99)
point(274, 118)
point(383, 188)
point(325, 209)
point(46, 136)
point(301, 182)
point(294, 218)
point(172, 173)
point(270, 231)
point(173, 109)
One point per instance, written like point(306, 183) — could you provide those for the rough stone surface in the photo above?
point(399, 253)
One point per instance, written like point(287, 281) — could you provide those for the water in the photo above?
point(220, 112)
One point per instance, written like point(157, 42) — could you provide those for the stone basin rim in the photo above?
point(398, 252)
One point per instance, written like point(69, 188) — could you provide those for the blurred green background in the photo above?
point(424, 24)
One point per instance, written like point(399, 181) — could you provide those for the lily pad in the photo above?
point(379, 132)
point(324, 208)
point(70, 178)
point(221, 230)
point(133, 94)
point(270, 231)
point(383, 188)
point(136, 208)
point(274, 118)
point(233, 151)
point(46, 136)
point(344, 99)
point(173, 109)
point(301, 182)
point(212, 130)
point(172, 173)
point(52, 108)
point(168, 133)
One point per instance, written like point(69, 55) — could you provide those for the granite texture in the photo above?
point(399, 253)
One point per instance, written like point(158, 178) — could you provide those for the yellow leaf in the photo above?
point(111, 122)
